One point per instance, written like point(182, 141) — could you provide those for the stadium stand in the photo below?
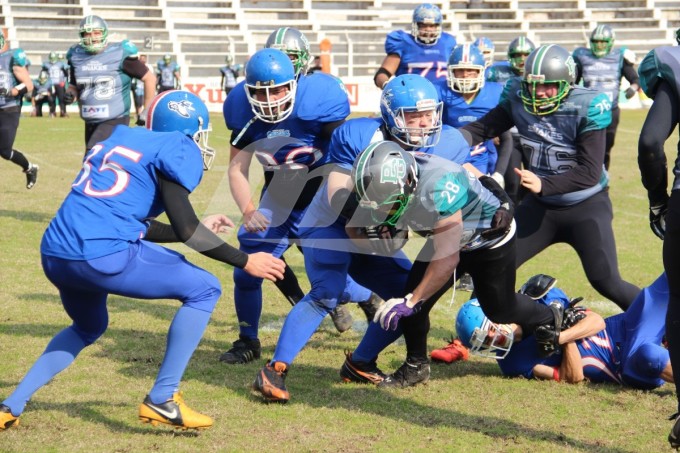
point(201, 32)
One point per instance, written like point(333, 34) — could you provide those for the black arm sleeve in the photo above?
point(504, 150)
point(189, 230)
point(328, 128)
point(491, 125)
point(659, 125)
point(134, 68)
point(630, 73)
point(588, 170)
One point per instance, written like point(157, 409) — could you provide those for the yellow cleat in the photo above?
point(173, 412)
point(7, 420)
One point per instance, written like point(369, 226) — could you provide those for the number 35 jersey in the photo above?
point(549, 141)
point(103, 87)
point(117, 192)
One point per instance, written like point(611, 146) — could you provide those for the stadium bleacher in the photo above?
point(201, 32)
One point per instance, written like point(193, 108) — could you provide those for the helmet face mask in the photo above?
point(94, 33)
point(467, 58)
point(483, 337)
point(547, 67)
point(385, 178)
point(293, 43)
point(426, 26)
point(518, 51)
point(602, 40)
point(406, 97)
point(177, 110)
point(271, 85)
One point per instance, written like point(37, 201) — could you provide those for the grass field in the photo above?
point(92, 406)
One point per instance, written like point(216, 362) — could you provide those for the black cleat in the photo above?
point(411, 373)
point(361, 372)
point(371, 306)
point(465, 283)
point(31, 176)
point(244, 350)
point(674, 436)
point(342, 318)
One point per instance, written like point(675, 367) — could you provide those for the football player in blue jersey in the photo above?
point(488, 49)
point(287, 127)
point(601, 67)
point(423, 52)
point(101, 242)
point(167, 74)
point(660, 80)
point(467, 98)
point(100, 75)
point(58, 71)
point(562, 130)
point(624, 349)
point(15, 82)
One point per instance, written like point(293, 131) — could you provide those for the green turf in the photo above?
point(92, 406)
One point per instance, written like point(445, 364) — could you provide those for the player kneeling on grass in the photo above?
point(623, 349)
point(92, 248)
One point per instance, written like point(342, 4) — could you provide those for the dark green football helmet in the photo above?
point(602, 40)
point(548, 64)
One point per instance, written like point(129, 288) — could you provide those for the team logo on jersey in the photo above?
point(393, 171)
point(181, 107)
point(546, 131)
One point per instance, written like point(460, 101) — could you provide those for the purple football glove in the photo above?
point(390, 312)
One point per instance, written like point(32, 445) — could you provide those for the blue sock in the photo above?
point(185, 332)
point(59, 354)
point(248, 304)
point(375, 340)
point(301, 323)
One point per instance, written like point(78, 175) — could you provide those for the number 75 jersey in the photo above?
point(103, 87)
point(428, 61)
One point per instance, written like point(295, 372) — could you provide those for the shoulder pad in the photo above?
point(129, 48)
point(538, 286)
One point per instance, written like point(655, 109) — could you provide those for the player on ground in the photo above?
point(101, 242)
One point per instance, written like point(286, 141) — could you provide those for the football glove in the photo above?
point(547, 339)
point(630, 92)
point(391, 311)
point(4, 91)
point(386, 240)
point(573, 314)
point(657, 219)
point(502, 219)
point(68, 97)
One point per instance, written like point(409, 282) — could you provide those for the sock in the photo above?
point(374, 341)
point(301, 323)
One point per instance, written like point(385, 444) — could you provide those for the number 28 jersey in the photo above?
point(117, 192)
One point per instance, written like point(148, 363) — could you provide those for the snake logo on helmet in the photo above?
point(176, 110)
point(465, 57)
point(548, 64)
point(483, 337)
point(411, 93)
point(268, 72)
point(94, 33)
point(385, 178)
point(602, 40)
point(427, 14)
point(518, 51)
point(487, 47)
point(293, 43)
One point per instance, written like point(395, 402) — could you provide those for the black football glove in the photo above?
point(502, 219)
point(386, 240)
point(68, 97)
point(547, 340)
point(4, 91)
point(630, 92)
point(657, 219)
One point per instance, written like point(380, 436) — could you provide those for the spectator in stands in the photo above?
point(425, 51)
point(518, 51)
point(562, 128)
point(601, 67)
point(103, 106)
point(42, 93)
point(15, 82)
point(660, 80)
point(58, 73)
point(167, 73)
point(229, 73)
point(138, 94)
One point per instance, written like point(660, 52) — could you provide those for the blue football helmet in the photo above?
point(268, 72)
point(487, 47)
point(483, 337)
point(465, 56)
point(427, 14)
point(411, 93)
point(177, 110)
point(385, 178)
point(293, 43)
point(89, 25)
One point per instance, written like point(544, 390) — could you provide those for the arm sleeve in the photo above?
point(189, 230)
point(590, 157)
point(630, 73)
point(134, 68)
point(661, 120)
point(504, 151)
point(491, 125)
